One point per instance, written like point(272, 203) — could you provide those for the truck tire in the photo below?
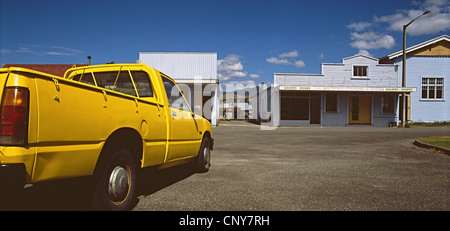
point(203, 161)
point(115, 187)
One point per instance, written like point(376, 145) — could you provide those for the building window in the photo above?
point(360, 71)
point(295, 109)
point(388, 103)
point(331, 102)
point(294, 105)
point(432, 88)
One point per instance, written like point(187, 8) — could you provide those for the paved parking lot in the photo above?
point(299, 169)
point(345, 168)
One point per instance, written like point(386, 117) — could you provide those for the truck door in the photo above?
point(183, 137)
point(152, 120)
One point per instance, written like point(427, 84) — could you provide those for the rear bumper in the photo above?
point(12, 176)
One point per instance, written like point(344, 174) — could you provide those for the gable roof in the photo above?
point(54, 69)
point(360, 55)
point(417, 47)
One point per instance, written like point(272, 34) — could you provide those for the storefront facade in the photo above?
point(359, 91)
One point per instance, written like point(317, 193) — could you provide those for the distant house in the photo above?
point(54, 69)
point(358, 91)
point(234, 106)
point(428, 70)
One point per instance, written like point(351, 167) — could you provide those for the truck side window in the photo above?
point(174, 96)
point(124, 84)
point(120, 83)
point(106, 79)
point(142, 82)
point(85, 78)
point(76, 77)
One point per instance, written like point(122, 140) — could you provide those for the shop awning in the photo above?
point(349, 89)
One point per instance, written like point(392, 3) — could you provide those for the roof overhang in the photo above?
point(419, 46)
point(194, 81)
point(349, 89)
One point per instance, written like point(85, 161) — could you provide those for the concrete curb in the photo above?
point(429, 146)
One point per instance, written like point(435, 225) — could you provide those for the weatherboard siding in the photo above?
point(335, 75)
point(380, 75)
point(419, 67)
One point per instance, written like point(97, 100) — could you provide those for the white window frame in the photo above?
point(435, 85)
point(360, 77)
point(337, 103)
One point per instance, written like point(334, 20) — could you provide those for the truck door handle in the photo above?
point(174, 113)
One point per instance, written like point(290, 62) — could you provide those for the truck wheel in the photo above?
point(204, 156)
point(116, 184)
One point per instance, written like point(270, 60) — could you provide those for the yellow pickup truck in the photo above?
point(105, 121)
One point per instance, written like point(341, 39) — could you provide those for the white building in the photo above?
point(195, 74)
point(358, 91)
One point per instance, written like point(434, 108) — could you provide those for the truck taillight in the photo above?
point(14, 116)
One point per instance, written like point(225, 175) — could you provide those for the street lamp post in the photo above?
point(404, 68)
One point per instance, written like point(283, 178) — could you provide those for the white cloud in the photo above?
point(299, 64)
point(436, 21)
point(275, 60)
point(58, 53)
point(364, 52)
point(366, 35)
point(240, 86)
point(287, 58)
point(371, 40)
point(46, 50)
point(254, 76)
point(239, 83)
point(359, 26)
point(230, 67)
point(231, 74)
point(291, 54)
point(6, 51)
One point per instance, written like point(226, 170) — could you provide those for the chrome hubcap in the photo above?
point(118, 184)
point(206, 156)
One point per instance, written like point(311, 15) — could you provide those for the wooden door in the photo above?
point(360, 110)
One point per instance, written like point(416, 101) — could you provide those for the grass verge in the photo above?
point(425, 124)
point(441, 141)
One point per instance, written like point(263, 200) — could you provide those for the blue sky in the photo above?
point(253, 39)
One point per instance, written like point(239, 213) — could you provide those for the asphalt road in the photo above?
point(289, 169)
point(304, 169)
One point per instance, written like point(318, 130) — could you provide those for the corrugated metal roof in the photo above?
point(182, 65)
